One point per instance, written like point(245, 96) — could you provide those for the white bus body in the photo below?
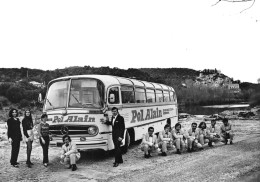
point(77, 105)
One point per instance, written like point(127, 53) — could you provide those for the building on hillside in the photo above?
point(37, 84)
point(234, 87)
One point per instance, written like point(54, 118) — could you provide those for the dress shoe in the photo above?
point(231, 143)
point(164, 154)
point(146, 156)
point(115, 164)
point(29, 165)
point(45, 164)
point(15, 165)
point(149, 155)
point(178, 151)
point(74, 167)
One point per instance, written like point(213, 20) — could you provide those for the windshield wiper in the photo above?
point(87, 104)
point(50, 103)
point(75, 98)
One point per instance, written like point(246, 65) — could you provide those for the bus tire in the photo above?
point(127, 142)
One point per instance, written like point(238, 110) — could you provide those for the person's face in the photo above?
point(27, 113)
point(150, 131)
point(167, 129)
point(114, 112)
point(178, 127)
point(194, 126)
point(44, 119)
point(203, 125)
point(213, 122)
point(14, 113)
point(66, 141)
point(225, 123)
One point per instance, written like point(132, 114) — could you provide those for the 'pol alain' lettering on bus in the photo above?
point(150, 114)
point(62, 119)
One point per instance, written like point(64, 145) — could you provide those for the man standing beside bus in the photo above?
point(118, 129)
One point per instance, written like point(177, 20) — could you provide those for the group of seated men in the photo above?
point(194, 138)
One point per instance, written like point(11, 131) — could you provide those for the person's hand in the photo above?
point(10, 140)
point(62, 156)
point(120, 139)
point(150, 144)
point(43, 141)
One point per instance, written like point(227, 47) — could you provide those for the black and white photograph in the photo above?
point(130, 91)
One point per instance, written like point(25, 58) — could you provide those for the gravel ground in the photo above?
point(238, 162)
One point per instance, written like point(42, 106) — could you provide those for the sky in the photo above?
point(192, 34)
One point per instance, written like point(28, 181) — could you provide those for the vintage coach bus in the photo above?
point(77, 105)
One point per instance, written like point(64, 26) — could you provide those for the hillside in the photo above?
point(175, 77)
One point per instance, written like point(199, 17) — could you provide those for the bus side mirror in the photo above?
point(112, 98)
point(40, 97)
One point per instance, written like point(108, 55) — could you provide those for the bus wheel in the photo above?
point(127, 142)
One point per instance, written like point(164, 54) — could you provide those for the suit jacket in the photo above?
point(71, 149)
point(176, 134)
point(164, 136)
point(146, 139)
point(191, 134)
point(118, 128)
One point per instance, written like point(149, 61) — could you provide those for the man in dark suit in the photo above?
point(118, 129)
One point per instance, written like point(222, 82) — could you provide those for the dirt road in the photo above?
point(237, 162)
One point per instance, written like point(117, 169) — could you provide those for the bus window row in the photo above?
point(140, 95)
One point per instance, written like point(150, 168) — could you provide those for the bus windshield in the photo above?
point(83, 93)
point(86, 93)
point(57, 95)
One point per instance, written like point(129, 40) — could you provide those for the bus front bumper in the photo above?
point(83, 145)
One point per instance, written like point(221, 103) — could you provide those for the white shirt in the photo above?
point(113, 121)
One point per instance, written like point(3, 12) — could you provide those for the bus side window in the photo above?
point(113, 95)
point(172, 96)
point(159, 96)
point(127, 93)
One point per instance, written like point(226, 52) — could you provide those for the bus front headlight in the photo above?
point(92, 130)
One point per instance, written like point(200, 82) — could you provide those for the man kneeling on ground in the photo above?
point(149, 143)
point(165, 140)
point(214, 133)
point(204, 135)
point(178, 137)
point(192, 137)
point(226, 132)
point(69, 152)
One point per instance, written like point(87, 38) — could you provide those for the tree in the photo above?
point(24, 103)
point(15, 94)
point(3, 88)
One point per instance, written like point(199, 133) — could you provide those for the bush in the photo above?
point(15, 94)
point(4, 101)
point(3, 88)
point(24, 103)
point(255, 100)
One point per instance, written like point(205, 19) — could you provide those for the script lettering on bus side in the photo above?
point(150, 114)
point(70, 119)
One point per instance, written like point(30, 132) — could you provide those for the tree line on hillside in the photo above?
point(21, 93)
point(24, 93)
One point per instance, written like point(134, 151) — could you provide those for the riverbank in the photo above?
point(235, 162)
